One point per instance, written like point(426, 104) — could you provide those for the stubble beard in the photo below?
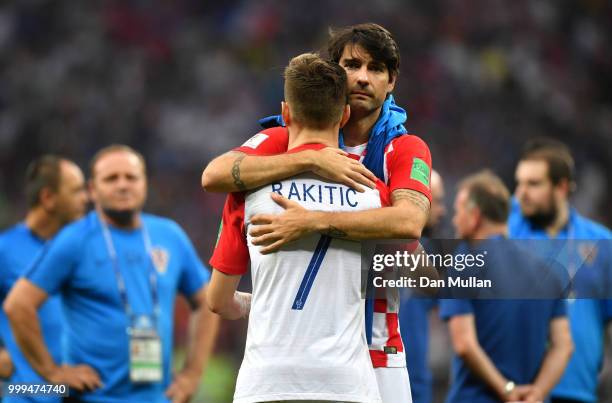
point(122, 218)
point(544, 217)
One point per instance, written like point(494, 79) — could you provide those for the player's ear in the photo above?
point(47, 198)
point(564, 187)
point(285, 113)
point(91, 190)
point(391, 84)
point(346, 115)
point(476, 218)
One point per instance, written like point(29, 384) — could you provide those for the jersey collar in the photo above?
point(307, 146)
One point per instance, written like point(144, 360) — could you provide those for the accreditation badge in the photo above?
point(145, 351)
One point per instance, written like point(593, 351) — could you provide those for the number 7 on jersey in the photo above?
point(311, 273)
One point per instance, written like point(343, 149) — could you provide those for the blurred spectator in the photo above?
point(505, 349)
point(56, 195)
point(546, 178)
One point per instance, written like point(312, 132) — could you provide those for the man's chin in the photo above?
point(527, 212)
point(121, 216)
point(541, 219)
point(361, 107)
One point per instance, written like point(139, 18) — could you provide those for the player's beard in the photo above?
point(543, 218)
point(122, 218)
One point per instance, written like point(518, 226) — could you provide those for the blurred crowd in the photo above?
point(183, 81)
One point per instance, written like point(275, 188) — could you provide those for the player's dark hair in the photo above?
point(44, 172)
point(376, 40)
point(487, 192)
point(556, 155)
point(316, 91)
point(112, 149)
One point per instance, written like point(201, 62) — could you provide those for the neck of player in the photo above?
point(357, 129)
point(490, 229)
point(560, 220)
point(298, 136)
point(44, 224)
point(123, 219)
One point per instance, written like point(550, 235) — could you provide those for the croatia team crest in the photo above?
point(160, 257)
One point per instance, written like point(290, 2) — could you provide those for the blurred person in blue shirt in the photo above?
point(541, 211)
point(506, 349)
point(414, 312)
point(118, 271)
point(56, 195)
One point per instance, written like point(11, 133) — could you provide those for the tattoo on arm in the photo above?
point(236, 173)
point(417, 198)
point(335, 232)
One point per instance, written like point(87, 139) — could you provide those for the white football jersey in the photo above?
point(306, 338)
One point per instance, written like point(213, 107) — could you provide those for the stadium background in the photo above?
point(185, 80)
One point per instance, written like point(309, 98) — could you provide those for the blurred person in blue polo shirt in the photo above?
point(56, 195)
point(541, 211)
point(414, 312)
point(506, 349)
point(118, 271)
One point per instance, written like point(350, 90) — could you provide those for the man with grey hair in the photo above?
point(501, 345)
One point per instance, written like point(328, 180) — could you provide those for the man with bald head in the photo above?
point(118, 271)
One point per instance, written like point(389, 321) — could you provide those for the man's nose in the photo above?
point(363, 78)
point(123, 183)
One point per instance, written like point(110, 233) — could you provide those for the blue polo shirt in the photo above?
point(19, 246)
point(513, 333)
point(588, 317)
point(77, 265)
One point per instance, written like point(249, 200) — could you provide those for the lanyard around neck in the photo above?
point(110, 247)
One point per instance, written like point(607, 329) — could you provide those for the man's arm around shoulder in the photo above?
point(236, 171)
point(404, 219)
